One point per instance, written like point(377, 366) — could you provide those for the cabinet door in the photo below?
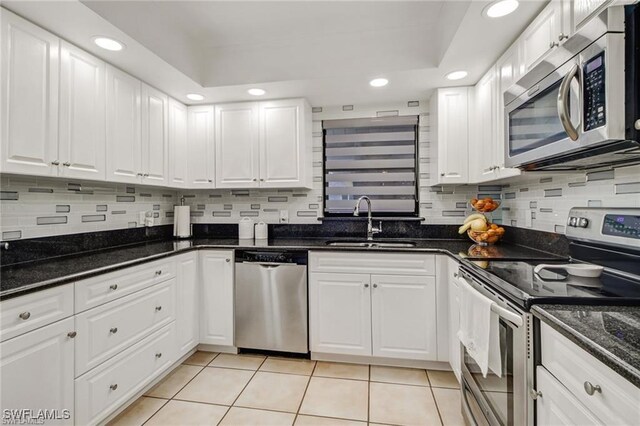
point(37, 371)
point(124, 143)
point(154, 136)
point(187, 312)
point(200, 147)
point(585, 10)
point(453, 135)
point(482, 147)
point(557, 406)
point(283, 143)
point(177, 144)
point(237, 133)
point(29, 111)
point(541, 36)
point(216, 277)
point(509, 69)
point(82, 114)
point(403, 312)
point(340, 313)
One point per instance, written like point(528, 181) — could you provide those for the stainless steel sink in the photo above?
point(370, 244)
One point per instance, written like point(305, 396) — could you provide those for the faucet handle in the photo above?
point(378, 229)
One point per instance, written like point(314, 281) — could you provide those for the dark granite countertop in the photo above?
point(27, 277)
point(609, 333)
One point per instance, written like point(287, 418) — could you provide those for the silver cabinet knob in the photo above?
point(366, 286)
point(375, 286)
point(113, 330)
point(113, 286)
point(72, 334)
point(67, 164)
point(113, 386)
point(227, 260)
point(442, 174)
point(562, 36)
point(261, 180)
point(553, 44)
point(25, 315)
point(210, 180)
point(159, 355)
point(139, 174)
point(590, 389)
point(159, 272)
point(158, 308)
point(535, 394)
point(254, 179)
point(55, 163)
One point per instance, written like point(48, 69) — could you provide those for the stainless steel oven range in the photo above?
point(606, 237)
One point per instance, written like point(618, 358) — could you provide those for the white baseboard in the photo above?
point(390, 362)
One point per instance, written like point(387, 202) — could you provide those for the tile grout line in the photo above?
point(435, 402)
point(179, 390)
point(304, 394)
point(243, 389)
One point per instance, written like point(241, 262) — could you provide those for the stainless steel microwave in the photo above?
point(579, 108)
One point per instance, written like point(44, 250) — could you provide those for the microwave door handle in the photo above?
point(563, 102)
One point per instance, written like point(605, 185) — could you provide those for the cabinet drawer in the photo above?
point(31, 311)
point(109, 329)
point(95, 291)
point(372, 263)
point(102, 390)
point(619, 399)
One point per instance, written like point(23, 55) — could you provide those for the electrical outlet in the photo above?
point(284, 216)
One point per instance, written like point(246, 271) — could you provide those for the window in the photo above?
point(374, 157)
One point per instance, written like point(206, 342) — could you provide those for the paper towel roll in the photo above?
point(182, 221)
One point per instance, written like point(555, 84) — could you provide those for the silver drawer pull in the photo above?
point(113, 286)
point(25, 315)
point(159, 272)
point(158, 308)
point(159, 355)
point(366, 286)
point(113, 386)
point(114, 330)
point(227, 260)
point(590, 389)
point(72, 334)
point(375, 286)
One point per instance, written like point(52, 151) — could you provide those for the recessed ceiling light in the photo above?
point(195, 97)
point(501, 8)
point(456, 75)
point(379, 82)
point(256, 92)
point(108, 43)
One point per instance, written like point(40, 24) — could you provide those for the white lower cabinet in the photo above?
point(381, 315)
point(340, 313)
point(187, 302)
point(557, 406)
point(103, 389)
point(216, 278)
point(403, 316)
point(454, 319)
point(37, 372)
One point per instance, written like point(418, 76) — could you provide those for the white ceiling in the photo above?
point(326, 51)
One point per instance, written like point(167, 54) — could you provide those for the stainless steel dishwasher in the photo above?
point(271, 301)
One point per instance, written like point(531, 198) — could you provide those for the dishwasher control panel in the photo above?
point(264, 256)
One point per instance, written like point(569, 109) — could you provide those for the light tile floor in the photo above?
point(238, 390)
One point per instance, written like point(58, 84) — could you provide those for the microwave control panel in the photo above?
point(594, 93)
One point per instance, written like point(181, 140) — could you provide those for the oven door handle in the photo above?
point(563, 102)
point(503, 313)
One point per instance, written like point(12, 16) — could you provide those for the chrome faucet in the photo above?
point(370, 229)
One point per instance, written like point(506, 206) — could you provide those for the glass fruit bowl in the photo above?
point(491, 236)
point(484, 205)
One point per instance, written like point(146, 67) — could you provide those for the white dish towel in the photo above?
point(480, 329)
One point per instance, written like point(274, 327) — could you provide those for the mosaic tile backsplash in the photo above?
point(39, 207)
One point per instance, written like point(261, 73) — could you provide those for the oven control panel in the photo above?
point(594, 92)
point(619, 227)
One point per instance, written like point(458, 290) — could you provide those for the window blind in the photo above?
point(374, 157)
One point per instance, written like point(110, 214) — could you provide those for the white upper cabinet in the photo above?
point(82, 114)
point(124, 141)
point(237, 154)
point(200, 147)
point(482, 145)
point(155, 105)
point(584, 10)
point(543, 35)
point(177, 144)
point(450, 132)
point(30, 67)
point(285, 132)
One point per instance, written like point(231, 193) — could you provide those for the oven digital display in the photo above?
point(621, 226)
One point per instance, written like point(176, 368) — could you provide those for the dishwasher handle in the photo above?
point(270, 264)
